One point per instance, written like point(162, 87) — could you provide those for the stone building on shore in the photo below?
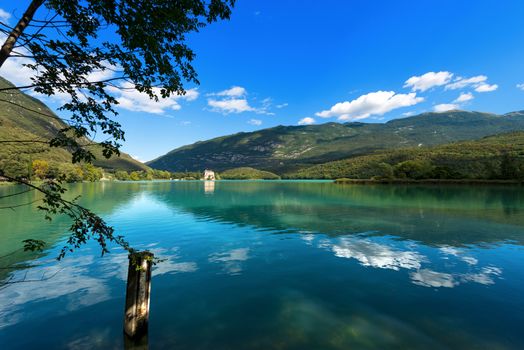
point(209, 175)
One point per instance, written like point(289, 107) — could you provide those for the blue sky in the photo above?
point(300, 61)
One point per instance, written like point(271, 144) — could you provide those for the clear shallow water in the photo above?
point(279, 265)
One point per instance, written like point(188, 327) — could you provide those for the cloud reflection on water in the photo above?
point(83, 280)
point(395, 255)
point(231, 260)
point(369, 253)
point(70, 278)
point(447, 250)
point(429, 278)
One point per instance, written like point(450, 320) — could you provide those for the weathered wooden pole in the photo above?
point(137, 294)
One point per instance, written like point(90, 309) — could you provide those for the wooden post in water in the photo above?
point(137, 294)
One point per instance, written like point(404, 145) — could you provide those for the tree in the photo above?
point(87, 50)
point(91, 172)
point(40, 168)
point(383, 171)
point(509, 167)
point(70, 173)
point(135, 176)
point(413, 169)
point(122, 175)
point(15, 167)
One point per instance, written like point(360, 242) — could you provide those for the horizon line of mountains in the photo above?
point(281, 149)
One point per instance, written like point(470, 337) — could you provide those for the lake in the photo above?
point(277, 265)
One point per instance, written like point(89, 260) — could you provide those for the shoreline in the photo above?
point(343, 181)
point(427, 182)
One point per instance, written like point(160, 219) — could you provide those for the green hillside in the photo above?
point(24, 118)
point(288, 148)
point(247, 173)
point(494, 157)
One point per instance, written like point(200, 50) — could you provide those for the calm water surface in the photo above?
point(277, 265)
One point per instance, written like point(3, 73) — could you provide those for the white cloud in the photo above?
point(103, 74)
point(464, 97)
point(306, 121)
point(479, 83)
point(132, 100)
point(15, 71)
point(520, 86)
point(444, 107)
point(461, 83)
point(233, 105)
point(282, 105)
point(374, 103)
point(255, 122)
point(408, 114)
point(427, 81)
point(13, 68)
point(234, 91)
point(432, 79)
point(456, 104)
point(97, 75)
point(234, 100)
point(486, 88)
point(4, 16)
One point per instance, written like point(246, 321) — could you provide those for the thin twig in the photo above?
point(21, 205)
point(16, 194)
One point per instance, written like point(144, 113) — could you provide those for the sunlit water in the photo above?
point(277, 265)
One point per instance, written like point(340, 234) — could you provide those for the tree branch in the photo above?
point(87, 83)
point(24, 141)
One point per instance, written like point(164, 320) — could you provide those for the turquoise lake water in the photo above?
point(277, 265)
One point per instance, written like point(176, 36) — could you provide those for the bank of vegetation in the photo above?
point(40, 169)
point(499, 157)
point(247, 173)
point(154, 174)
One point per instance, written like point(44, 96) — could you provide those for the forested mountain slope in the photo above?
point(287, 148)
point(493, 157)
point(24, 118)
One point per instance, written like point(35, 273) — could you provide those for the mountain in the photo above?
point(492, 157)
point(23, 117)
point(287, 148)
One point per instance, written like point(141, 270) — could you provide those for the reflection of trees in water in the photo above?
point(453, 215)
point(27, 222)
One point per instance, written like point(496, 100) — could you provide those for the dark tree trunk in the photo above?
point(18, 30)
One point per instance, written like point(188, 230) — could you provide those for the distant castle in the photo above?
point(209, 175)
